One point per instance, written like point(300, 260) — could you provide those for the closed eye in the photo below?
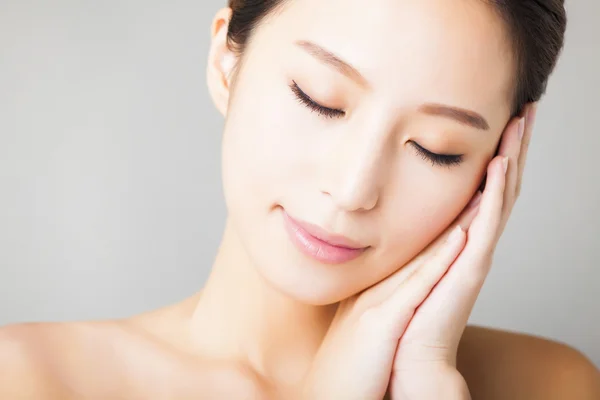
point(447, 160)
point(313, 105)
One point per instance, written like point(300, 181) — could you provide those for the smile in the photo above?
point(320, 245)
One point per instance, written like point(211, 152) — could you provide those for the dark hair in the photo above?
point(536, 28)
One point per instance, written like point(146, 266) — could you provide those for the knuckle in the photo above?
point(473, 280)
point(370, 317)
point(370, 321)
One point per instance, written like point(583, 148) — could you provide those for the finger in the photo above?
point(472, 266)
point(530, 116)
point(466, 276)
point(447, 309)
point(464, 220)
point(511, 148)
point(401, 305)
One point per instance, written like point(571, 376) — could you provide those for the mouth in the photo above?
point(319, 244)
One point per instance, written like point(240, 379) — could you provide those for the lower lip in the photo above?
point(316, 248)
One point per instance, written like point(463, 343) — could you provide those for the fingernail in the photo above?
point(505, 164)
point(475, 200)
point(521, 128)
point(455, 235)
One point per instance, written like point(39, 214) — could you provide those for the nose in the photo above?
point(353, 173)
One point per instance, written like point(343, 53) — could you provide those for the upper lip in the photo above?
point(329, 238)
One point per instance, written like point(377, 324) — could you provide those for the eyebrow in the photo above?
point(465, 117)
point(327, 57)
point(460, 115)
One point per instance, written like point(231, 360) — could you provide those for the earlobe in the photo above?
point(228, 61)
point(221, 61)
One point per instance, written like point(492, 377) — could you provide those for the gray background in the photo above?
point(110, 196)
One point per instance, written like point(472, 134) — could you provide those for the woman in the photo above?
point(356, 139)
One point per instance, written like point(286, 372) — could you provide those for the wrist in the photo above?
point(448, 384)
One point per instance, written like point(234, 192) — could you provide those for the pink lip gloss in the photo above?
point(329, 249)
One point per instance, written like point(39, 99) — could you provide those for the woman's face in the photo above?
point(394, 80)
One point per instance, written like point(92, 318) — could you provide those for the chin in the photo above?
point(283, 266)
point(287, 270)
point(303, 286)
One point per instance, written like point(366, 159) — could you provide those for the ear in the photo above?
point(221, 61)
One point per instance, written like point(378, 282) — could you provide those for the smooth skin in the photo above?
point(272, 323)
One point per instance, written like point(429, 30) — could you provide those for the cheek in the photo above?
point(423, 203)
point(272, 141)
point(266, 146)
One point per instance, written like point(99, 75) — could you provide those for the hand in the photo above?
point(430, 342)
point(370, 339)
point(356, 357)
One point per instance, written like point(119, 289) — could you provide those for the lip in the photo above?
point(319, 244)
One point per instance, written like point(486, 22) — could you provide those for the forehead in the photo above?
point(453, 51)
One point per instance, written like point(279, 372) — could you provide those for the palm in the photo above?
point(429, 343)
point(407, 324)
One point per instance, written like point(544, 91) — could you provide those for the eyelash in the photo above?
point(313, 105)
point(448, 160)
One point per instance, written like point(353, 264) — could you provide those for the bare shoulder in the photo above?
point(142, 357)
point(21, 375)
point(505, 365)
point(36, 357)
point(89, 359)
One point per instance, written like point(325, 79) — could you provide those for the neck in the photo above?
point(239, 316)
